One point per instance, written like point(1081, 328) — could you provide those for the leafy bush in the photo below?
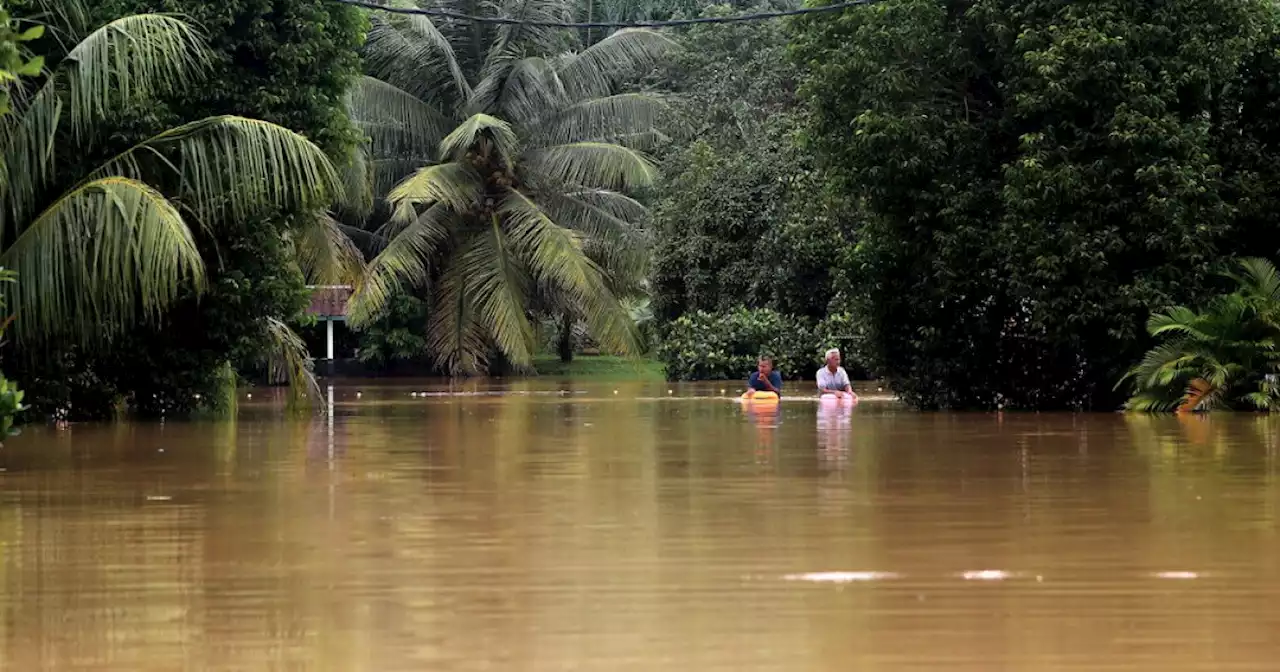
point(725, 345)
point(399, 335)
point(1221, 357)
point(846, 332)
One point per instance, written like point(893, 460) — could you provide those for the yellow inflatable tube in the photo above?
point(760, 396)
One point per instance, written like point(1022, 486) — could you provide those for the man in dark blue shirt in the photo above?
point(765, 379)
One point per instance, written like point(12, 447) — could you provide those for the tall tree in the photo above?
point(506, 162)
point(1035, 177)
point(208, 207)
point(741, 220)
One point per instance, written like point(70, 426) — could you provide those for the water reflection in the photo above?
point(568, 527)
point(834, 426)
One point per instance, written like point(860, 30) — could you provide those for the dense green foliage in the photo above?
point(397, 335)
point(15, 61)
point(506, 164)
point(725, 345)
point(288, 62)
point(739, 220)
point(1034, 177)
point(1224, 356)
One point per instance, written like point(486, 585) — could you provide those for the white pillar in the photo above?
point(329, 336)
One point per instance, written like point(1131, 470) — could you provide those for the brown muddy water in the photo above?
point(563, 526)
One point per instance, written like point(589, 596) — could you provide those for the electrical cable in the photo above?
point(762, 16)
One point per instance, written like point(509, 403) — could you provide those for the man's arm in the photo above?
point(775, 380)
point(768, 381)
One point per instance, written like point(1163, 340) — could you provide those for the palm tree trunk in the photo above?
point(566, 338)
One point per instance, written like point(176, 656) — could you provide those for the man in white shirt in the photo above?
point(833, 379)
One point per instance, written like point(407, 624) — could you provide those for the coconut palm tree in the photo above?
point(98, 251)
point(506, 162)
point(1225, 356)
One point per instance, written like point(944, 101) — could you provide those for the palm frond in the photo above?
point(597, 70)
point(236, 166)
point(405, 261)
point(411, 53)
point(457, 185)
point(455, 337)
point(499, 285)
point(598, 165)
point(387, 172)
point(524, 37)
point(621, 116)
point(615, 204)
point(621, 247)
point(1165, 364)
point(288, 360)
point(466, 136)
point(554, 255)
point(102, 257)
point(1262, 400)
point(325, 254)
point(396, 121)
point(68, 18)
point(1174, 320)
point(356, 176)
point(132, 59)
point(28, 167)
point(1258, 278)
point(530, 89)
point(1152, 402)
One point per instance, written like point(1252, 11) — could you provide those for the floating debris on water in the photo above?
point(986, 575)
point(840, 577)
point(158, 498)
point(1177, 575)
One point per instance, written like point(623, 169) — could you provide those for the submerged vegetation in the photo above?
point(1225, 356)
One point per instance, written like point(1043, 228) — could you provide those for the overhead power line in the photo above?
point(761, 16)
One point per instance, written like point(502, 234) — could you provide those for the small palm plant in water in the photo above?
point(1226, 356)
point(507, 162)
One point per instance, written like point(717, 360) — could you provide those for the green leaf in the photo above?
point(33, 33)
point(480, 127)
point(33, 67)
point(103, 257)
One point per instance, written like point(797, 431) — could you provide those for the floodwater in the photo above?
point(561, 526)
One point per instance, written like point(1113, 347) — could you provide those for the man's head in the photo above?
point(833, 358)
point(766, 365)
